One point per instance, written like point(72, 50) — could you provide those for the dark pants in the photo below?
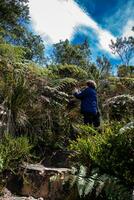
point(92, 119)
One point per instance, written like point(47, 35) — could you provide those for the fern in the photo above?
point(96, 183)
point(120, 107)
point(66, 84)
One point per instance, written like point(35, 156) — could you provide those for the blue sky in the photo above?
point(99, 21)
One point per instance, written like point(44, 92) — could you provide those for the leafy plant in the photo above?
point(96, 185)
point(120, 107)
point(111, 150)
point(13, 151)
point(12, 53)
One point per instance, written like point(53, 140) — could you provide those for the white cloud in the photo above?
point(57, 20)
point(127, 30)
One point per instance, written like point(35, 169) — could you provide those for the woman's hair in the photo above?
point(91, 83)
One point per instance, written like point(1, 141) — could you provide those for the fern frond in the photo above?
point(66, 84)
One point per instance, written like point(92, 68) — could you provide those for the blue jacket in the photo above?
point(88, 99)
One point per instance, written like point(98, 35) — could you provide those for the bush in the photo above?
point(13, 151)
point(128, 83)
point(72, 71)
point(112, 151)
point(98, 186)
point(120, 107)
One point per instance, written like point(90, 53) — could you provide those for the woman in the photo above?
point(89, 105)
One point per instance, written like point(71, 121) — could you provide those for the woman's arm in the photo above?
point(80, 95)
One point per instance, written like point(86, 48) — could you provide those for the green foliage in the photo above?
point(34, 47)
point(66, 84)
point(95, 185)
point(124, 48)
point(65, 77)
point(14, 151)
point(66, 53)
point(104, 66)
point(128, 83)
point(120, 107)
point(71, 71)
point(15, 95)
point(84, 184)
point(111, 150)
point(14, 30)
point(31, 49)
point(31, 105)
point(12, 53)
point(115, 190)
point(125, 71)
point(112, 87)
point(85, 130)
point(93, 72)
point(14, 14)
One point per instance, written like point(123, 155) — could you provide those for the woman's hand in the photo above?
point(76, 90)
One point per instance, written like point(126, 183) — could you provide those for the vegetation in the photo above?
point(65, 53)
point(106, 150)
point(39, 115)
point(124, 47)
point(14, 151)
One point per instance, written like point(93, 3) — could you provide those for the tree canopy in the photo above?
point(124, 48)
point(14, 29)
point(66, 53)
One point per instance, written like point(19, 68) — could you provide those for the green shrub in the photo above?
point(98, 186)
point(12, 53)
point(111, 150)
point(128, 84)
point(13, 151)
point(71, 71)
point(120, 107)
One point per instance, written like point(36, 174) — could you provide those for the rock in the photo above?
point(26, 198)
point(38, 181)
point(6, 195)
point(42, 169)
